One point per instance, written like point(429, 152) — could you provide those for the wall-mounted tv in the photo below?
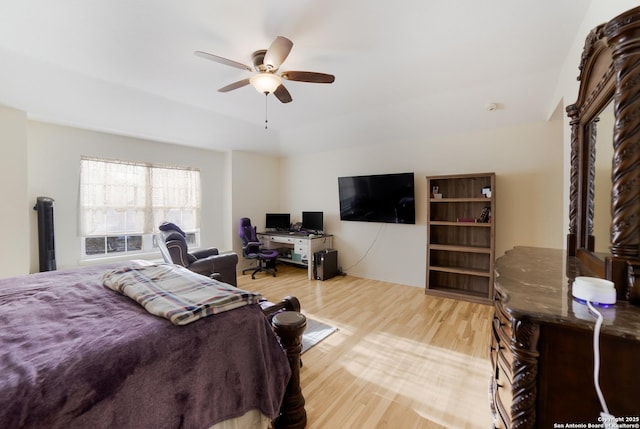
point(278, 221)
point(388, 198)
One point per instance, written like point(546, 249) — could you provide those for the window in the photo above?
point(122, 203)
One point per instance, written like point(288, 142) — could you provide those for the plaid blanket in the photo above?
point(176, 293)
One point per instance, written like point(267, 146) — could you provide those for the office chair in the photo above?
point(208, 262)
point(252, 249)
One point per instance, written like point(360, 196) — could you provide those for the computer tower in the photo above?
point(325, 264)
point(46, 242)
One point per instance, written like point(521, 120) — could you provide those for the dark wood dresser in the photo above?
point(542, 347)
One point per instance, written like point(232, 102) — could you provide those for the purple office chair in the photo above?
point(252, 249)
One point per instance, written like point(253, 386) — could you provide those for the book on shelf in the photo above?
point(466, 220)
point(485, 215)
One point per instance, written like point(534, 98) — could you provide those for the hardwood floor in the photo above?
point(400, 358)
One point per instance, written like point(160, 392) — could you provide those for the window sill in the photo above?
point(147, 256)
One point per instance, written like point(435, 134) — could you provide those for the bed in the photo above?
point(75, 354)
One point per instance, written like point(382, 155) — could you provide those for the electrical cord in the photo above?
point(596, 355)
point(375, 239)
point(607, 419)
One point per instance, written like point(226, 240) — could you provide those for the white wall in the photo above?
point(255, 190)
point(526, 159)
point(17, 209)
point(54, 167)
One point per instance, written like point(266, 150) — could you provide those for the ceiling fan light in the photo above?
point(265, 82)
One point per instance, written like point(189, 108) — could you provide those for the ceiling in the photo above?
point(409, 70)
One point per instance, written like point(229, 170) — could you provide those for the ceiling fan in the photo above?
point(266, 63)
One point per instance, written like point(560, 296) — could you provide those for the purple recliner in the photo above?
point(208, 262)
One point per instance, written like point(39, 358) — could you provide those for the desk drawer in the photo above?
point(278, 239)
point(283, 239)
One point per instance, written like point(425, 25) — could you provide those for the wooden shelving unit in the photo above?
point(461, 245)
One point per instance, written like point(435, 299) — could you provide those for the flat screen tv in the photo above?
point(387, 198)
point(278, 221)
point(313, 221)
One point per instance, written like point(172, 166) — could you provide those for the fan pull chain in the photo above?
point(266, 94)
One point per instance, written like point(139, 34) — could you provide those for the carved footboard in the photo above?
point(288, 303)
point(289, 324)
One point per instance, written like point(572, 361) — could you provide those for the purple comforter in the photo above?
point(74, 354)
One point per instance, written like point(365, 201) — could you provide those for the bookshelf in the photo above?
point(461, 236)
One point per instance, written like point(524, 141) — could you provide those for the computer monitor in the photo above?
point(278, 221)
point(312, 221)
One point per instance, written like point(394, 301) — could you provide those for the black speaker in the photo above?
point(46, 242)
point(325, 264)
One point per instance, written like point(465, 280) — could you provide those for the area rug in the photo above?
point(315, 332)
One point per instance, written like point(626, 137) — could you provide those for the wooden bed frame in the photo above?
point(289, 325)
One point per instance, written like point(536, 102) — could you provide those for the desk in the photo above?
point(302, 246)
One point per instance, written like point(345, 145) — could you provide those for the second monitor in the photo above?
point(313, 222)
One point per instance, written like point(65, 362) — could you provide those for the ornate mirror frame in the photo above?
point(609, 71)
